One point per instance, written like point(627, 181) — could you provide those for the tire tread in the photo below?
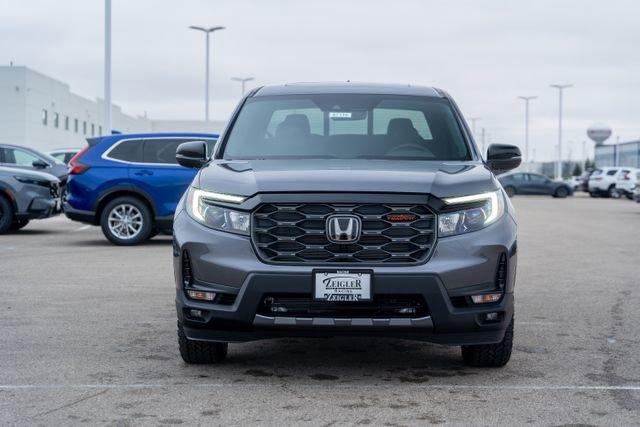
point(200, 352)
point(6, 219)
point(490, 355)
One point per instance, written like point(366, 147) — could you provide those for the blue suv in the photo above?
point(130, 184)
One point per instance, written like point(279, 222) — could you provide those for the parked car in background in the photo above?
point(584, 178)
point(15, 156)
point(602, 182)
point(626, 181)
point(129, 184)
point(574, 182)
point(64, 155)
point(533, 183)
point(26, 195)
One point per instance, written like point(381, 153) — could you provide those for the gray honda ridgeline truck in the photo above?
point(346, 209)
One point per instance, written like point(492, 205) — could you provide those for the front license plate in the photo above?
point(342, 285)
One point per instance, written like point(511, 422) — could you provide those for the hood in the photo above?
point(60, 171)
point(441, 179)
point(27, 172)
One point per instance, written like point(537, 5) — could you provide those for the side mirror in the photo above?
point(40, 164)
point(192, 154)
point(503, 157)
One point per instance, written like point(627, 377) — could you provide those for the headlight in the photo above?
point(473, 218)
point(33, 181)
point(201, 208)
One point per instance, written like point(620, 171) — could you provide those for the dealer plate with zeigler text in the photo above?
point(342, 285)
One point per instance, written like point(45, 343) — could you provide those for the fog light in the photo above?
point(485, 298)
point(491, 317)
point(195, 313)
point(201, 295)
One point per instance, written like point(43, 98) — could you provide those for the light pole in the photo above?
point(242, 80)
point(526, 100)
point(107, 67)
point(207, 32)
point(559, 161)
point(473, 121)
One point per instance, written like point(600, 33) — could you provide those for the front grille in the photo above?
point(54, 189)
point(296, 233)
point(382, 306)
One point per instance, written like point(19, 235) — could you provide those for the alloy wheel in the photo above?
point(125, 221)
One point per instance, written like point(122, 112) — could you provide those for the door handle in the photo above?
point(143, 172)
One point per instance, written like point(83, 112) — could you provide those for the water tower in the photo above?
point(599, 133)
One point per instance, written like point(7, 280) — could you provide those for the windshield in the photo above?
point(346, 126)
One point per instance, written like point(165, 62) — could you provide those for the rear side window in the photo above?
point(612, 172)
point(518, 177)
point(161, 150)
point(127, 151)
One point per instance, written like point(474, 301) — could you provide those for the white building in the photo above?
point(42, 113)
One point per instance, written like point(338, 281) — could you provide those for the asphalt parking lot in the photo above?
point(87, 335)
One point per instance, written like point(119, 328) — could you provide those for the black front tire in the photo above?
point(6, 215)
point(19, 224)
point(145, 228)
point(510, 191)
point(490, 355)
point(200, 352)
point(561, 193)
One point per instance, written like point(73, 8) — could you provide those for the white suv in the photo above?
point(602, 182)
point(626, 181)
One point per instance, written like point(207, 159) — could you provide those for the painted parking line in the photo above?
point(537, 323)
point(523, 387)
point(84, 227)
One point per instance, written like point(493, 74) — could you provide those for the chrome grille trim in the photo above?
point(296, 233)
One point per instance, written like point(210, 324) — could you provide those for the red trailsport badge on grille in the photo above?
point(401, 217)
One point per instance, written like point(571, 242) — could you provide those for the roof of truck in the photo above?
point(348, 87)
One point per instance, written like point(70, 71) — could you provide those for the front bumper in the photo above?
point(42, 207)
point(460, 266)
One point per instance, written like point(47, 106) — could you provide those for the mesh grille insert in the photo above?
point(295, 233)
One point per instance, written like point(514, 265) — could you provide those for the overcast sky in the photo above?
point(485, 53)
